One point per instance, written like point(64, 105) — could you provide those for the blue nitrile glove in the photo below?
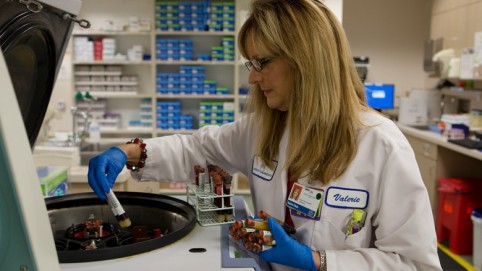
point(104, 169)
point(287, 250)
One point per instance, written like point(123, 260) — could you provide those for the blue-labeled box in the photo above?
point(53, 180)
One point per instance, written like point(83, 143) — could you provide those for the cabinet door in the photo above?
point(428, 169)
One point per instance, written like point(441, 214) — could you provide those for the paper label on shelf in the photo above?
point(467, 66)
point(478, 43)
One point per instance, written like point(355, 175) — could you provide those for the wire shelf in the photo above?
point(211, 208)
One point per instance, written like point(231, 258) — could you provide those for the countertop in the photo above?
point(439, 140)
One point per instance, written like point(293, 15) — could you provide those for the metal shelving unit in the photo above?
point(225, 73)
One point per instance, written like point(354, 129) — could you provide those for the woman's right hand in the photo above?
point(104, 169)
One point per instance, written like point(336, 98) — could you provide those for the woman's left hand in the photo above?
point(287, 250)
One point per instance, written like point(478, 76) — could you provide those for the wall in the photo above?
point(392, 34)
point(61, 99)
point(456, 22)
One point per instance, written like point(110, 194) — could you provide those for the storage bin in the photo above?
point(477, 251)
point(456, 200)
point(53, 180)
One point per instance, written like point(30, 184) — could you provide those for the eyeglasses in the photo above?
point(257, 64)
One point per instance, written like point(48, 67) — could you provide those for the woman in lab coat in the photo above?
point(363, 205)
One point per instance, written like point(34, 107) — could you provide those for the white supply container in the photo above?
point(477, 252)
point(94, 131)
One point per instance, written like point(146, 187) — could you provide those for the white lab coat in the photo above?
point(399, 232)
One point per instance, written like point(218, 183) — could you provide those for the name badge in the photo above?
point(262, 171)
point(305, 200)
point(340, 197)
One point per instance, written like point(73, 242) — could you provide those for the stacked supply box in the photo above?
point(83, 49)
point(105, 79)
point(189, 80)
point(53, 180)
point(221, 16)
point(215, 113)
point(174, 49)
point(228, 48)
point(185, 16)
point(108, 49)
point(168, 115)
point(145, 115)
point(104, 49)
point(225, 52)
point(182, 50)
point(195, 16)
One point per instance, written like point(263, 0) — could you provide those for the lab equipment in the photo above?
point(211, 198)
point(380, 96)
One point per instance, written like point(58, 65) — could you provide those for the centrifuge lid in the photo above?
point(33, 39)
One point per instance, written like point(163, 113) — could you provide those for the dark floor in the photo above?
point(448, 264)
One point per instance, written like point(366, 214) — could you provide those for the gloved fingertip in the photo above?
point(101, 196)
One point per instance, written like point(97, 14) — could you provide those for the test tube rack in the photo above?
point(209, 213)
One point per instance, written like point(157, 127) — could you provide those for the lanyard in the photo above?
point(288, 219)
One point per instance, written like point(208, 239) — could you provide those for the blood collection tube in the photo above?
point(197, 170)
point(251, 237)
point(259, 248)
point(118, 211)
point(256, 224)
point(288, 229)
point(249, 246)
point(238, 224)
point(232, 228)
point(227, 179)
point(262, 233)
point(235, 237)
point(244, 231)
point(267, 241)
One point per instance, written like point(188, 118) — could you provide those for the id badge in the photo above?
point(305, 200)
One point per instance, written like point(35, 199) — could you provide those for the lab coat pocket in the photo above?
point(327, 236)
point(357, 240)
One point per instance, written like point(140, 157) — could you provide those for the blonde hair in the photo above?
point(327, 94)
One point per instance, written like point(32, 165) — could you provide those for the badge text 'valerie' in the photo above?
point(346, 198)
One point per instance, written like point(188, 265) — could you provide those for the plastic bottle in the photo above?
point(94, 131)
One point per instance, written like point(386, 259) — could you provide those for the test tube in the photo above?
point(256, 224)
point(198, 169)
point(288, 229)
point(117, 209)
point(227, 179)
point(259, 248)
point(262, 233)
point(267, 240)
